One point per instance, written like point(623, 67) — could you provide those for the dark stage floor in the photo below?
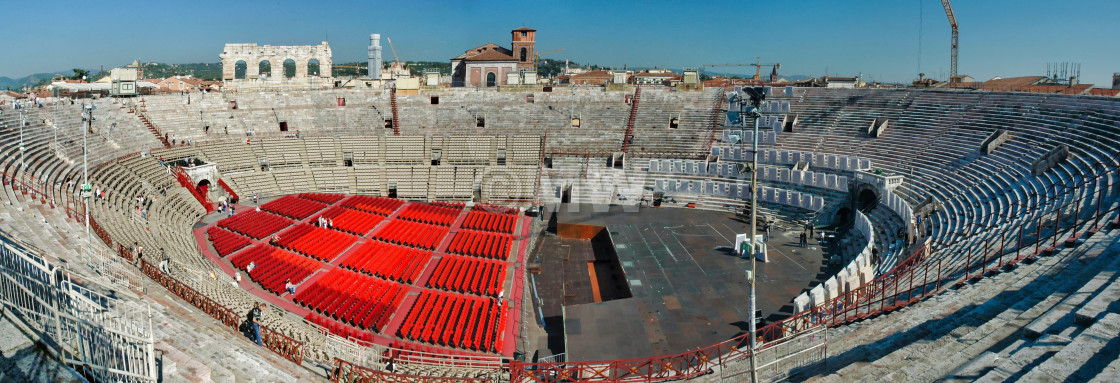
point(689, 290)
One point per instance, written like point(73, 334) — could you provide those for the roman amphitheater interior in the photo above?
point(974, 233)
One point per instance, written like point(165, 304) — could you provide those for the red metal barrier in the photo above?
point(351, 373)
point(233, 195)
point(186, 181)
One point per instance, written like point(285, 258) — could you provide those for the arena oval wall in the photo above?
point(527, 153)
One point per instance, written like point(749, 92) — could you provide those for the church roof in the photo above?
point(486, 52)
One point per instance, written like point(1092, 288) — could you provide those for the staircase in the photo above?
point(141, 113)
point(714, 119)
point(396, 119)
point(629, 137)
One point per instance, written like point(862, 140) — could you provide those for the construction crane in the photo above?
point(953, 57)
point(396, 68)
point(758, 68)
point(538, 56)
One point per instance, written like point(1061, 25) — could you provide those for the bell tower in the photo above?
point(524, 47)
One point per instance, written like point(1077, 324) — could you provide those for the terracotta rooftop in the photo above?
point(472, 53)
point(593, 74)
point(1104, 92)
point(524, 29)
point(1013, 83)
point(491, 55)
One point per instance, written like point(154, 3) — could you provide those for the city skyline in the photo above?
point(879, 40)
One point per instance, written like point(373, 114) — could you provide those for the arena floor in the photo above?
point(688, 289)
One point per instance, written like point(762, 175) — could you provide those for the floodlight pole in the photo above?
point(754, 246)
point(22, 154)
point(85, 164)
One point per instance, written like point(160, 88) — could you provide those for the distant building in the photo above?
point(594, 77)
point(1104, 92)
point(1116, 81)
point(123, 82)
point(491, 65)
point(839, 82)
point(1030, 84)
point(652, 76)
point(176, 84)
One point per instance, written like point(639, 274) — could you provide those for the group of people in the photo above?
point(225, 207)
point(325, 222)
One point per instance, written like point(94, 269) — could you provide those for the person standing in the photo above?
point(254, 321)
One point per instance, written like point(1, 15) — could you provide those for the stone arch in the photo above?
point(240, 69)
point(866, 196)
point(203, 186)
point(290, 68)
point(253, 55)
point(313, 67)
point(264, 68)
point(491, 79)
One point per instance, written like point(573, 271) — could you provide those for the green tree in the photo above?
point(79, 74)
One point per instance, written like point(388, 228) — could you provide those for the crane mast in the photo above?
point(953, 56)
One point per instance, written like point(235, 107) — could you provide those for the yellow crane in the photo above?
point(953, 57)
point(538, 55)
point(757, 65)
point(396, 68)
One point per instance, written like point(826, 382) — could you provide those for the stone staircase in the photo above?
point(1022, 323)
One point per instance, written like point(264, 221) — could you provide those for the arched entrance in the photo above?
point(491, 79)
point(239, 69)
point(866, 197)
point(203, 186)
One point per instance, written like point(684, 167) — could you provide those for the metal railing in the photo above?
point(79, 326)
point(351, 373)
point(273, 340)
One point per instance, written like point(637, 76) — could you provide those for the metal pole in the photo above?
point(754, 246)
point(22, 155)
point(85, 165)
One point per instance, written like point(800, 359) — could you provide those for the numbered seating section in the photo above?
point(255, 224)
point(481, 244)
point(379, 205)
point(351, 221)
point(398, 263)
point(359, 300)
point(432, 214)
point(293, 207)
point(412, 234)
point(315, 242)
point(274, 266)
point(225, 241)
point(469, 275)
point(455, 320)
point(327, 198)
point(486, 221)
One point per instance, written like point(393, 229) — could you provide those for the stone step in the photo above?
point(1085, 267)
point(1083, 355)
point(23, 360)
point(974, 320)
point(1101, 303)
point(1027, 355)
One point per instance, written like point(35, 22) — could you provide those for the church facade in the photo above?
point(493, 65)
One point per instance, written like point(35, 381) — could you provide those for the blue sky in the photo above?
point(876, 38)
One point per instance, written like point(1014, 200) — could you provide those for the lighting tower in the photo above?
point(953, 57)
point(757, 95)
